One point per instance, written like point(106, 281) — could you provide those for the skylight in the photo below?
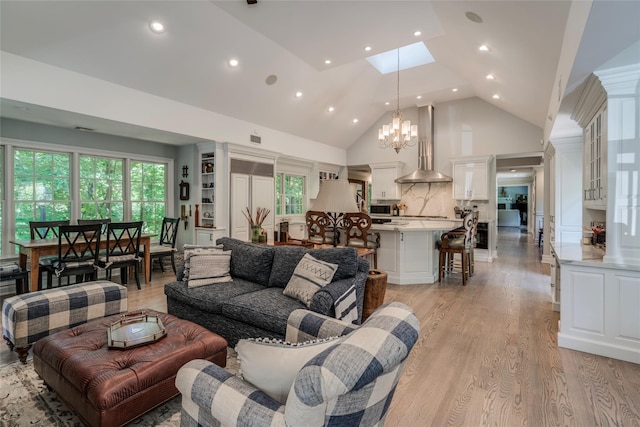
point(412, 55)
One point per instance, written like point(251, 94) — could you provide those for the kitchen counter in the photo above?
point(585, 255)
point(404, 224)
point(598, 302)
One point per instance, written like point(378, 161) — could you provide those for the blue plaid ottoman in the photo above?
point(28, 317)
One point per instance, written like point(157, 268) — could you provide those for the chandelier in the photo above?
point(399, 133)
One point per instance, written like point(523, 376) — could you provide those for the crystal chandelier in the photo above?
point(399, 133)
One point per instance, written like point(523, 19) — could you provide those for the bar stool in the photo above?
point(452, 243)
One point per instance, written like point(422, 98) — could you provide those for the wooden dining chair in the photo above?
point(166, 246)
point(356, 226)
point(78, 249)
point(123, 246)
point(103, 221)
point(39, 230)
point(317, 228)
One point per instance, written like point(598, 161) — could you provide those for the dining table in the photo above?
point(34, 249)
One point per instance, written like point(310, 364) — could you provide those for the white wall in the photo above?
point(42, 84)
point(468, 127)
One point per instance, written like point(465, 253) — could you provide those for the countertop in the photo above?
point(402, 224)
point(585, 255)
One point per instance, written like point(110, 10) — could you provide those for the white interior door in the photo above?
point(240, 200)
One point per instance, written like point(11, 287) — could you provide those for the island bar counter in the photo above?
point(407, 251)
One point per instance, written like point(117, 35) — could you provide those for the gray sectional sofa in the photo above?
point(253, 305)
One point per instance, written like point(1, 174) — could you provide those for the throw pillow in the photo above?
point(209, 269)
point(272, 365)
point(310, 275)
point(191, 250)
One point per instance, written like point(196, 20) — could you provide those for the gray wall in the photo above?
point(17, 129)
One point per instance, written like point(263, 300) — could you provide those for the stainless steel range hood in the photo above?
point(425, 172)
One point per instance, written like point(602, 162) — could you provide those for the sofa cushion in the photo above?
point(250, 261)
point(272, 365)
point(309, 276)
point(267, 309)
point(346, 258)
point(285, 260)
point(209, 269)
point(209, 298)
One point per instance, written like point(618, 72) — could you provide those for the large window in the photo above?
point(65, 183)
point(148, 195)
point(289, 194)
point(41, 188)
point(101, 189)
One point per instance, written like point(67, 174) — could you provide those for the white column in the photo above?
point(623, 166)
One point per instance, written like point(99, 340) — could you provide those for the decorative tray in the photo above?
point(135, 329)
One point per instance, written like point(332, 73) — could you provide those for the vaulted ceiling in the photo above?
point(292, 40)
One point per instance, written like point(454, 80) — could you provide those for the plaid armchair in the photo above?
point(351, 383)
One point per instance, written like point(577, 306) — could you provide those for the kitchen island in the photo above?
point(407, 251)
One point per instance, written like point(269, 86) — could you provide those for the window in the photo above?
point(289, 194)
point(101, 190)
point(148, 195)
point(41, 188)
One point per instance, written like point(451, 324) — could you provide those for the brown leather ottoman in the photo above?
point(111, 387)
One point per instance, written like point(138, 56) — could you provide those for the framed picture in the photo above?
point(184, 190)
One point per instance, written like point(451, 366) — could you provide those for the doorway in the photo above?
point(513, 206)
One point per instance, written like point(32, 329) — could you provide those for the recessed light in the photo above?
point(490, 77)
point(419, 97)
point(455, 89)
point(331, 109)
point(367, 48)
point(327, 61)
point(473, 17)
point(156, 26)
point(355, 120)
point(483, 48)
point(233, 62)
point(417, 33)
point(496, 96)
point(512, 170)
point(298, 94)
point(387, 103)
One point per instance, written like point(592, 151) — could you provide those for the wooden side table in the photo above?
point(374, 290)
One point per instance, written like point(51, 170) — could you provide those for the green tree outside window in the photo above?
point(101, 194)
point(148, 195)
point(41, 188)
point(290, 194)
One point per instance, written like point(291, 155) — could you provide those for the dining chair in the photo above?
point(103, 221)
point(356, 227)
point(78, 249)
point(317, 227)
point(451, 243)
point(45, 230)
point(166, 246)
point(123, 246)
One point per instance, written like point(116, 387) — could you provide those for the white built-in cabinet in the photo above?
point(595, 161)
point(471, 178)
point(383, 185)
point(565, 223)
point(208, 228)
point(208, 236)
point(408, 257)
point(251, 191)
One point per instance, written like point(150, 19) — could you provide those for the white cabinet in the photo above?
point(565, 222)
point(595, 161)
point(251, 191)
point(599, 311)
point(471, 178)
point(383, 185)
point(208, 236)
point(409, 257)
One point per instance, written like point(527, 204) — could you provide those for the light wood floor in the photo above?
point(487, 353)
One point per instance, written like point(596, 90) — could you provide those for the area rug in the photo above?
point(26, 401)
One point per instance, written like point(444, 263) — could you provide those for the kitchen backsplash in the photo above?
point(428, 199)
point(434, 199)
